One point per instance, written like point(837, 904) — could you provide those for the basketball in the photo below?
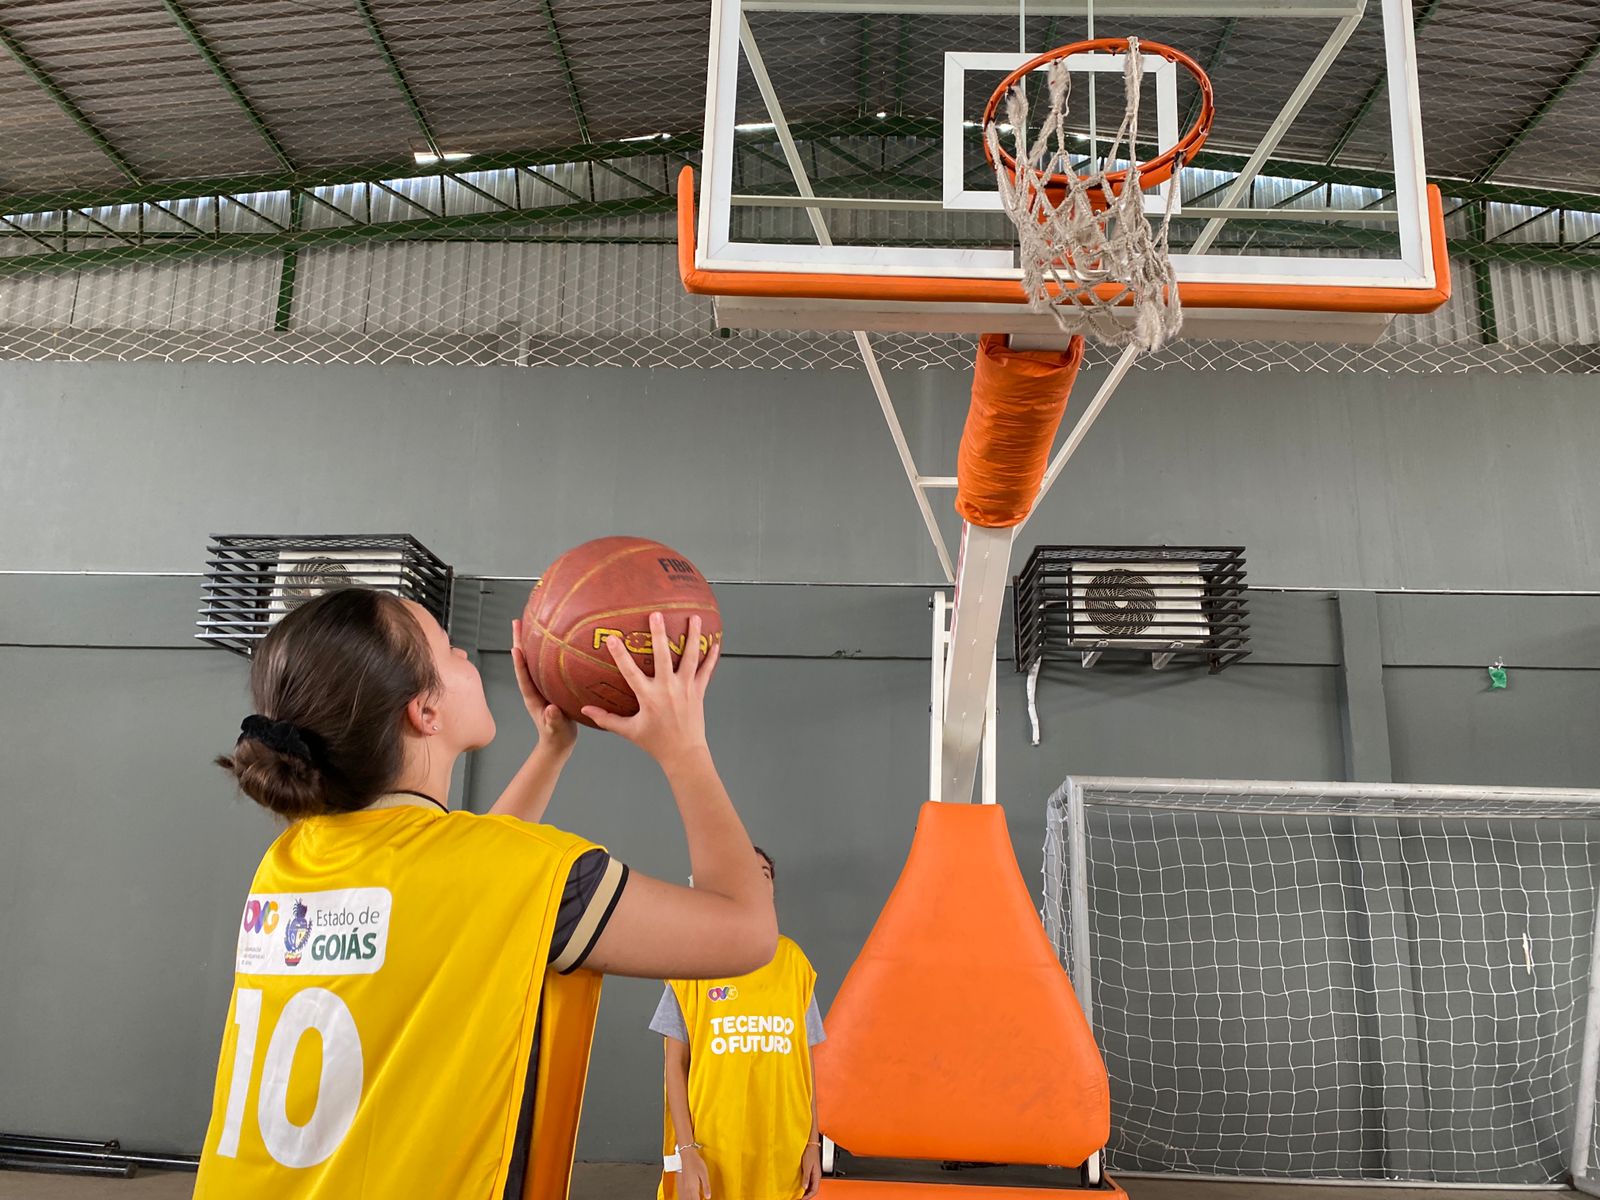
point(607, 587)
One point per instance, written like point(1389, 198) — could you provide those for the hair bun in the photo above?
point(285, 781)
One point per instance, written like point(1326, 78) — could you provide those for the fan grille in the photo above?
point(1120, 602)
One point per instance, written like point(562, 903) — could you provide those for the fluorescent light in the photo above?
point(428, 157)
point(755, 126)
point(882, 115)
point(646, 137)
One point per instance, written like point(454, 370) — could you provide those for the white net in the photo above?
point(1070, 247)
point(1327, 981)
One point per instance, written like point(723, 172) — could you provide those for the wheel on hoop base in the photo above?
point(827, 1154)
point(1090, 1173)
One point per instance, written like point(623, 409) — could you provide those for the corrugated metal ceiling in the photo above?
point(1508, 89)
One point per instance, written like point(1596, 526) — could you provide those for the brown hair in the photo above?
point(339, 670)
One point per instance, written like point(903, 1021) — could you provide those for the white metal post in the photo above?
point(1078, 874)
point(940, 605)
point(986, 793)
point(938, 660)
point(1080, 430)
point(982, 572)
point(1588, 1074)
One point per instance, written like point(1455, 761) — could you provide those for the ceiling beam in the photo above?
point(863, 61)
point(633, 179)
point(65, 103)
point(680, 146)
point(399, 77)
point(31, 234)
point(1424, 15)
point(1541, 110)
point(515, 226)
point(566, 71)
point(687, 147)
point(902, 36)
point(199, 42)
point(1224, 36)
point(164, 248)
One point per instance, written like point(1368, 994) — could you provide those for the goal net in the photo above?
point(1334, 981)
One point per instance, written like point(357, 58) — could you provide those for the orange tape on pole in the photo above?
point(1018, 400)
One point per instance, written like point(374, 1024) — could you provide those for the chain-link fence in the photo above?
point(492, 183)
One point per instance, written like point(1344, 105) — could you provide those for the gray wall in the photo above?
point(123, 857)
point(1404, 481)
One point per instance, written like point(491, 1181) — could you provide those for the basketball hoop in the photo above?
point(1087, 247)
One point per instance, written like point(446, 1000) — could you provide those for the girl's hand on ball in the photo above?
point(556, 729)
point(671, 717)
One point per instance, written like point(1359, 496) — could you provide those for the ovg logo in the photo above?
point(296, 935)
point(261, 916)
point(722, 993)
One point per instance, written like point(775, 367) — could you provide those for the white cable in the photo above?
point(1033, 693)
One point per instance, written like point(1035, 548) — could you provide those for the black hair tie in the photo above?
point(283, 736)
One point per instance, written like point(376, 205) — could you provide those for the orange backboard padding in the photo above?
point(1018, 398)
point(926, 289)
point(870, 1189)
point(956, 1034)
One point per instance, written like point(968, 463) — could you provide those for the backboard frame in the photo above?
point(960, 198)
point(964, 290)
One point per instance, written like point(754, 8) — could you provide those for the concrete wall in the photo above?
point(1363, 481)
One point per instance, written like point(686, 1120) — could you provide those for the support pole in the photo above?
point(982, 572)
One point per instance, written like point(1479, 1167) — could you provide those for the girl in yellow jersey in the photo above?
point(447, 963)
point(741, 1109)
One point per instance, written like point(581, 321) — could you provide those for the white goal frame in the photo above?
point(1068, 921)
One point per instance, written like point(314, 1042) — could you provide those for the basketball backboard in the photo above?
point(844, 184)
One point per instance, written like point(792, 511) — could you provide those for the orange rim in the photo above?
point(1150, 174)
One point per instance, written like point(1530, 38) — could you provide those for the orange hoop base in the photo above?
point(870, 1189)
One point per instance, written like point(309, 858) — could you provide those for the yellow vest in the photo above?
point(390, 975)
point(749, 1078)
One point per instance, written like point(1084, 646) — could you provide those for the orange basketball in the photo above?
point(605, 587)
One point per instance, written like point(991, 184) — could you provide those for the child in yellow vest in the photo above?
point(741, 1108)
point(415, 988)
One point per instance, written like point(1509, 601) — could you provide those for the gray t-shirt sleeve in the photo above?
point(668, 1021)
point(814, 1033)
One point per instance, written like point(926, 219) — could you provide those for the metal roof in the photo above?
point(99, 95)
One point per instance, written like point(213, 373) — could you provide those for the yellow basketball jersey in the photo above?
point(749, 1078)
point(390, 975)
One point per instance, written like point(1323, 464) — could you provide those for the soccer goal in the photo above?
point(1344, 982)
